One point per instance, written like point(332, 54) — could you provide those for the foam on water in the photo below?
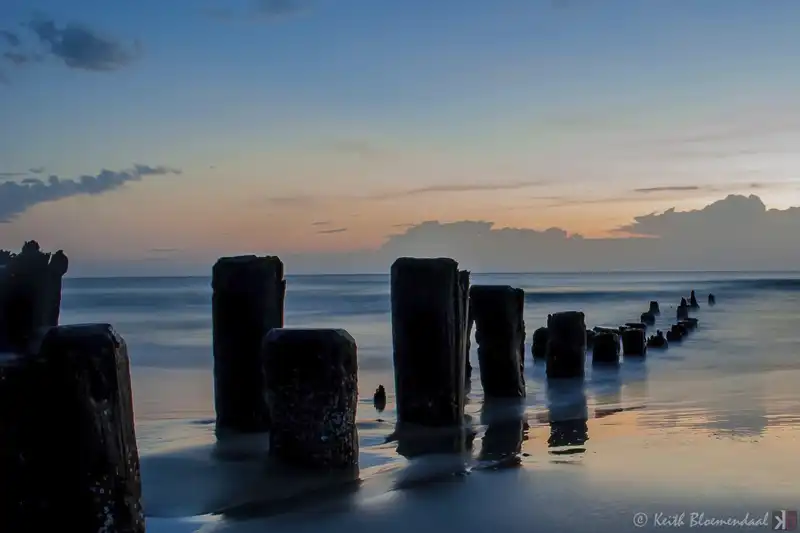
point(709, 424)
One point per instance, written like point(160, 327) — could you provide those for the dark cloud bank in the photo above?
point(75, 45)
point(736, 233)
point(16, 197)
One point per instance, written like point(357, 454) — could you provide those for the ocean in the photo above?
point(716, 415)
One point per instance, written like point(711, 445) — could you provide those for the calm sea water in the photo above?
point(726, 399)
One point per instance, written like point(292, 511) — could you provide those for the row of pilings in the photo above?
point(68, 450)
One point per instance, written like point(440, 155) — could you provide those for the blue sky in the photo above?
point(549, 103)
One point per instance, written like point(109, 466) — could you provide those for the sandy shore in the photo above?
point(671, 454)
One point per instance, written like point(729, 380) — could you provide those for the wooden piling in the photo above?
point(312, 393)
point(500, 334)
point(654, 308)
point(247, 302)
point(539, 344)
point(606, 348)
point(68, 451)
point(429, 326)
point(566, 345)
point(30, 296)
point(634, 342)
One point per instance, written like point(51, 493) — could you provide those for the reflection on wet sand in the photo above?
point(568, 414)
point(505, 430)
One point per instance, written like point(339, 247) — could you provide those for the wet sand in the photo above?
point(565, 461)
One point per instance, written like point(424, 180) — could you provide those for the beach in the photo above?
point(705, 427)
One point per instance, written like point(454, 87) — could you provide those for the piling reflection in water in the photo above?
point(606, 387)
point(505, 431)
point(568, 414)
point(415, 441)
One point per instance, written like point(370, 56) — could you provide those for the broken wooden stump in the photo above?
point(654, 309)
point(500, 334)
point(606, 348)
point(429, 326)
point(247, 302)
point(566, 345)
point(539, 344)
point(312, 393)
point(30, 296)
point(634, 342)
point(68, 452)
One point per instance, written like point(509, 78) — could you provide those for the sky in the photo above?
point(151, 136)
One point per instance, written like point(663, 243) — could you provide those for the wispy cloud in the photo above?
point(667, 188)
point(12, 174)
point(259, 10)
point(18, 197)
point(331, 231)
point(10, 38)
point(461, 187)
point(164, 250)
point(36, 170)
point(82, 48)
point(321, 223)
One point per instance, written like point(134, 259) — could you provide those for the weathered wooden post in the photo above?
point(312, 393)
point(429, 324)
point(68, 450)
point(634, 342)
point(30, 296)
point(539, 344)
point(500, 334)
point(247, 302)
point(566, 345)
point(606, 348)
point(712, 300)
point(654, 309)
point(463, 281)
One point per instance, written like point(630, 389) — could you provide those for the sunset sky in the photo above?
point(327, 125)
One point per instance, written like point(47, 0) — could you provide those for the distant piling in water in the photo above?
point(500, 334)
point(312, 393)
point(247, 302)
point(634, 342)
point(68, 452)
point(566, 345)
point(429, 326)
point(30, 296)
point(539, 344)
point(606, 348)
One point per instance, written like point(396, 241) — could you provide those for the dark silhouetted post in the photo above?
point(500, 334)
point(654, 309)
point(30, 296)
point(466, 311)
point(693, 301)
point(67, 441)
point(429, 324)
point(712, 300)
point(634, 342)
point(606, 348)
point(647, 318)
point(312, 393)
point(539, 344)
point(566, 346)
point(247, 303)
point(683, 310)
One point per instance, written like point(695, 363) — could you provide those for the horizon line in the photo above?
point(503, 273)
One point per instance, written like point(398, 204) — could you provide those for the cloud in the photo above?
point(461, 187)
point(278, 8)
point(331, 231)
point(260, 10)
point(164, 250)
point(12, 174)
point(11, 38)
point(668, 188)
point(19, 59)
point(36, 170)
point(82, 48)
point(321, 223)
point(18, 197)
